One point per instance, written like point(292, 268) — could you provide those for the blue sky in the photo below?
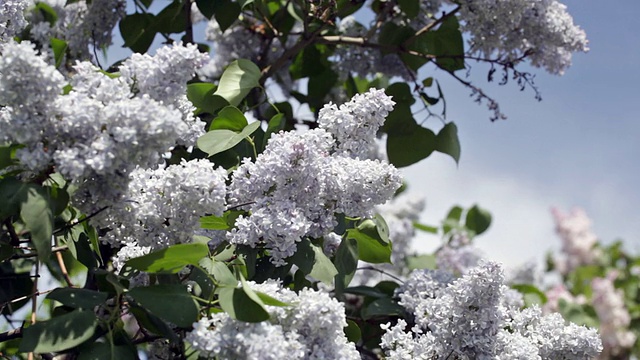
point(577, 147)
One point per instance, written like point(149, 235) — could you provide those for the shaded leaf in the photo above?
point(478, 220)
point(311, 260)
point(169, 302)
point(78, 298)
point(230, 118)
point(408, 148)
point(203, 97)
point(37, 214)
point(447, 141)
point(60, 333)
point(382, 307)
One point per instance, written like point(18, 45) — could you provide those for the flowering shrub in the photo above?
point(181, 208)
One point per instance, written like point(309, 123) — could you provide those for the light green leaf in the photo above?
point(311, 260)
point(202, 96)
point(59, 47)
point(171, 259)
point(217, 141)
point(425, 228)
point(171, 303)
point(37, 215)
point(237, 80)
point(447, 141)
point(426, 261)
point(219, 271)
point(59, 333)
point(371, 248)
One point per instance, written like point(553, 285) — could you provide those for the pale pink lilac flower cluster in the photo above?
point(12, 19)
point(311, 327)
point(613, 315)
point(80, 23)
point(476, 317)
point(298, 184)
point(578, 240)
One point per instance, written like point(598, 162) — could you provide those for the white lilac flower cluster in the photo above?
point(97, 133)
point(80, 23)
point(298, 184)
point(477, 317)
point(311, 327)
point(578, 240)
point(509, 29)
point(354, 124)
point(12, 19)
point(162, 207)
point(613, 315)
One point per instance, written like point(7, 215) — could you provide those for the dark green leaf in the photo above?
point(171, 259)
point(478, 220)
point(346, 262)
point(59, 48)
point(217, 141)
point(276, 124)
point(171, 19)
point(230, 118)
point(226, 12)
point(152, 323)
point(365, 291)
point(78, 298)
point(47, 12)
point(237, 80)
point(447, 141)
point(407, 149)
point(352, 331)
point(104, 351)
point(410, 7)
point(169, 302)
point(12, 193)
point(59, 333)
point(382, 307)
point(137, 31)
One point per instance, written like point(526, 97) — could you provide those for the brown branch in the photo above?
point(63, 269)
point(11, 334)
point(188, 36)
point(33, 254)
point(36, 294)
point(15, 240)
point(430, 26)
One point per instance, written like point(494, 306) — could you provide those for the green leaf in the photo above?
point(401, 94)
point(171, 303)
point(268, 300)
point(310, 258)
point(37, 214)
point(425, 228)
point(408, 148)
point(371, 248)
point(59, 47)
point(242, 304)
point(382, 308)
point(78, 298)
point(47, 12)
point(171, 259)
point(226, 12)
point(219, 271)
point(230, 118)
point(12, 194)
point(352, 331)
point(171, 19)
point(212, 222)
point(319, 86)
point(393, 35)
point(104, 351)
point(447, 45)
point(137, 31)
point(447, 141)
point(426, 261)
point(532, 295)
point(346, 262)
point(202, 96)
point(206, 7)
point(7, 156)
point(152, 323)
point(478, 220)
point(217, 141)
point(60, 333)
point(365, 291)
point(237, 80)
point(410, 7)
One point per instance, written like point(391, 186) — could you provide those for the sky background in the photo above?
point(579, 146)
point(576, 147)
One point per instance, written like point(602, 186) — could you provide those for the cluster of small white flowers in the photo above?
point(365, 61)
point(164, 78)
point(163, 206)
point(80, 23)
point(128, 251)
point(354, 124)
point(298, 184)
point(12, 19)
point(477, 317)
point(578, 240)
point(613, 315)
point(311, 327)
point(509, 29)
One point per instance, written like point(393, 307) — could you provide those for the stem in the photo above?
point(188, 36)
point(34, 300)
point(63, 269)
point(11, 334)
point(33, 254)
point(15, 240)
point(381, 271)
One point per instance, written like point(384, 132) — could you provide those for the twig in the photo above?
point(34, 301)
point(188, 36)
point(11, 334)
point(86, 218)
point(15, 240)
point(430, 26)
point(63, 269)
point(381, 271)
point(27, 296)
point(30, 255)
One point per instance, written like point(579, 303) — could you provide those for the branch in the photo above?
point(188, 36)
point(33, 254)
point(430, 26)
point(15, 240)
point(11, 334)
